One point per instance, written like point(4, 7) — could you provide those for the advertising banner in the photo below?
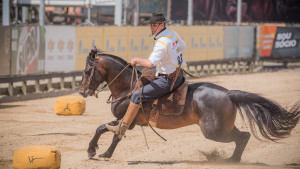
point(5, 50)
point(286, 42)
point(60, 48)
point(198, 43)
point(27, 50)
point(115, 41)
point(183, 32)
point(231, 42)
point(226, 10)
point(246, 41)
point(140, 44)
point(279, 41)
point(215, 42)
point(267, 35)
point(86, 39)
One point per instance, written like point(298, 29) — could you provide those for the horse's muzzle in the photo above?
point(84, 93)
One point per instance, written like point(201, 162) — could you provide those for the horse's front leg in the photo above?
point(94, 142)
point(109, 152)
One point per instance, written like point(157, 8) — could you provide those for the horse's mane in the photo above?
point(91, 61)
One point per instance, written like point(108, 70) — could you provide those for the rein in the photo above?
point(129, 94)
point(98, 91)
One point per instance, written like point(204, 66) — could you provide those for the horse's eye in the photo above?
point(87, 72)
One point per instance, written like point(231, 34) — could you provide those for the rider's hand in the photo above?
point(133, 61)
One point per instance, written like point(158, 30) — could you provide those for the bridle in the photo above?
point(91, 78)
point(134, 71)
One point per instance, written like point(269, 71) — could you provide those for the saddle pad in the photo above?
point(173, 103)
point(168, 104)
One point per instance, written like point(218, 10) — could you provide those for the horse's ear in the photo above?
point(93, 53)
point(90, 55)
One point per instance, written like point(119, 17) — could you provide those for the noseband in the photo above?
point(87, 86)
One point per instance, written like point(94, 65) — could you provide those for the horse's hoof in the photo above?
point(91, 155)
point(104, 155)
point(231, 160)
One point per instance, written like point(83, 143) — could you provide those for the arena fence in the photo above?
point(39, 52)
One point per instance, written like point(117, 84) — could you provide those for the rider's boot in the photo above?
point(121, 128)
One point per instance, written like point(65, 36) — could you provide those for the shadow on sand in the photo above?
point(9, 106)
point(213, 158)
point(195, 163)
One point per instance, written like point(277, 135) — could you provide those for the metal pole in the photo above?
point(190, 12)
point(16, 14)
point(138, 12)
point(239, 12)
point(5, 12)
point(42, 12)
point(169, 10)
point(24, 14)
point(118, 13)
point(125, 12)
point(89, 15)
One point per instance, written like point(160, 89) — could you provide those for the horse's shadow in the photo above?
point(204, 162)
point(213, 158)
point(194, 163)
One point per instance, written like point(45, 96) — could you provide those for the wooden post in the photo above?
point(10, 89)
point(49, 85)
point(24, 88)
point(73, 83)
point(37, 86)
point(232, 67)
point(238, 68)
point(195, 70)
point(244, 67)
point(221, 68)
point(215, 69)
point(226, 70)
point(208, 69)
point(62, 83)
point(252, 65)
point(201, 69)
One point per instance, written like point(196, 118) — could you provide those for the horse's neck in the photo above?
point(121, 85)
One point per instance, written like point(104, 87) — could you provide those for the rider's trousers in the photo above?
point(156, 89)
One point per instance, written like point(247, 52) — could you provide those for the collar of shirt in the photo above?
point(157, 35)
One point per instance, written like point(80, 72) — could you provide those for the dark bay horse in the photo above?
point(210, 106)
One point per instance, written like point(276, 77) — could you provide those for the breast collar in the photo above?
point(157, 36)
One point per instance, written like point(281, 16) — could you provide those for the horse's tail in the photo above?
point(274, 121)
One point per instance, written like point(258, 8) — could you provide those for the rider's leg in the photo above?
point(149, 93)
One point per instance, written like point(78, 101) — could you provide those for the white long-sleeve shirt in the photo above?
point(167, 52)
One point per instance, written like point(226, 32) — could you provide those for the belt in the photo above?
point(169, 76)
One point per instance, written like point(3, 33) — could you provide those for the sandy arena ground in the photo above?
point(34, 123)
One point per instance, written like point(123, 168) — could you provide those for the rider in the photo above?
point(167, 58)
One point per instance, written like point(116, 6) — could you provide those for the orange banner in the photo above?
point(267, 36)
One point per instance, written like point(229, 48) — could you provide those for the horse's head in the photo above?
point(92, 76)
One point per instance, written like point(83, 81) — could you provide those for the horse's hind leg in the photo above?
point(94, 142)
point(240, 138)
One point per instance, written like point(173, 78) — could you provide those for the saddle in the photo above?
point(170, 104)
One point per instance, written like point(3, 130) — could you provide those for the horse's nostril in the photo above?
point(80, 93)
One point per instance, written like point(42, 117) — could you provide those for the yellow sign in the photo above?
point(86, 39)
point(139, 43)
point(183, 33)
point(198, 43)
point(115, 41)
point(215, 48)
